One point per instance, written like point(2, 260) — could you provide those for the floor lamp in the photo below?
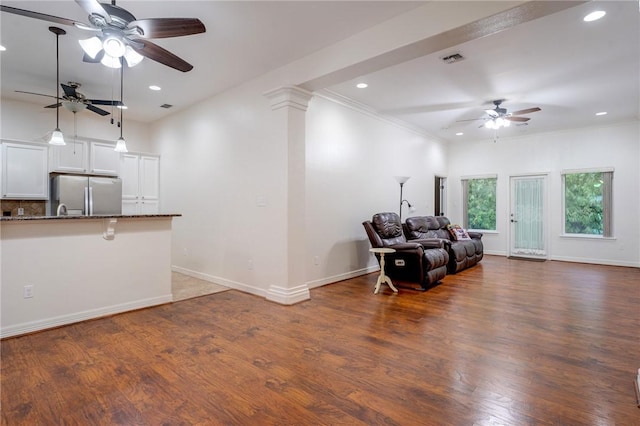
point(402, 180)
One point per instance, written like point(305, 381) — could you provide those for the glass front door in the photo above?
point(527, 217)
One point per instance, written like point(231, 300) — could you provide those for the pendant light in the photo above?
point(121, 144)
point(56, 136)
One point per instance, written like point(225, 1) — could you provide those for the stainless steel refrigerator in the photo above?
point(85, 195)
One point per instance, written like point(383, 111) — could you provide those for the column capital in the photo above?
point(289, 96)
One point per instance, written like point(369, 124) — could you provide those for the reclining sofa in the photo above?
point(463, 253)
point(423, 261)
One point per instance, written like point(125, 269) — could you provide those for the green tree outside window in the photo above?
point(584, 207)
point(481, 203)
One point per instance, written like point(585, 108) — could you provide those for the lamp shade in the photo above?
point(110, 62)
point(57, 138)
point(91, 46)
point(402, 179)
point(121, 145)
point(113, 46)
point(132, 57)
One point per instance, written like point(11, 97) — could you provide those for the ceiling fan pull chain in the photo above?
point(75, 131)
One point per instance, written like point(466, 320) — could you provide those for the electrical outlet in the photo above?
point(27, 292)
point(20, 211)
point(316, 260)
point(250, 264)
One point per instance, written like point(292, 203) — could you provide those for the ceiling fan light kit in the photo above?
point(121, 34)
point(496, 123)
point(500, 117)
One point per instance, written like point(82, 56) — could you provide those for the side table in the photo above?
point(383, 278)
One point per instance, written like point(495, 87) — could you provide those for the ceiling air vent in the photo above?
point(456, 57)
point(166, 106)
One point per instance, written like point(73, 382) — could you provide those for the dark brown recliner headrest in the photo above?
point(387, 225)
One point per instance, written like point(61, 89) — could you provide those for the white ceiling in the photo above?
point(569, 68)
point(244, 39)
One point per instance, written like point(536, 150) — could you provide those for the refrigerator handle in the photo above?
point(90, 201)
point(86, 200)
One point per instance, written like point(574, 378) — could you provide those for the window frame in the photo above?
point(464, 180)
point(607, 202)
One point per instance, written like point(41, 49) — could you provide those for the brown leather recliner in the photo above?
point(462, 254)
point(423, 261)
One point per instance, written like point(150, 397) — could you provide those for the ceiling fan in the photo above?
point(500, 117)
point(120, 34)
point(75, 101)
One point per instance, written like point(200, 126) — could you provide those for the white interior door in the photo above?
point(527, 218)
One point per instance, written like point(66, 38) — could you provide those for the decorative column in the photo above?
point(289, 105)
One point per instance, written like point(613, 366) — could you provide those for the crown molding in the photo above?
point(371, 112)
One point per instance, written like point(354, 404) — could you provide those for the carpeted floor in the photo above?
point(186, 287)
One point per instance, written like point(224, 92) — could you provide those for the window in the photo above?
point(587, 202)
point(479, 203)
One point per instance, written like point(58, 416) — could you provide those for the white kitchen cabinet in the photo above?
point(24, 171)
point(103, 160)
point(70, 158)
point(140, 176)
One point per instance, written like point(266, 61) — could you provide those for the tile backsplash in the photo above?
point(31, 207)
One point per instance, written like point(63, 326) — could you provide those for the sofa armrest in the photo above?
point(475, 235)
point(431, 243)
point(406, 246)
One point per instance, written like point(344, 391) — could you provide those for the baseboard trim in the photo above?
point(343, 276)
point(277, 291)
point(221, 281)
point(30, 327)
point(596, 261)
point(288, 296)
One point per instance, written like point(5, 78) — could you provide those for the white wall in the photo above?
point(616, 146)
point(352, 158)
point(31, 122)
point(222, 158)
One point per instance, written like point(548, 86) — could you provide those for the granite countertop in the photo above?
point(79, 217)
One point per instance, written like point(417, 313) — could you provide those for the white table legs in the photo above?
point(383, 278)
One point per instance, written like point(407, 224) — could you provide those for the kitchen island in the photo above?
point(58, 270)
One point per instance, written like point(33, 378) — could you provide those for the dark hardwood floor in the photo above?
point(508, 342)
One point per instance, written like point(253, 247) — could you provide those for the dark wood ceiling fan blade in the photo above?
point(58, 105)
point(519, 119)
point(167, 27)
point(526, 111)
point(159, 54)
point(37, 15)
point(69, 90)
point(39, 94)
point(92, 7)
point(97, 110)
point(105, 102)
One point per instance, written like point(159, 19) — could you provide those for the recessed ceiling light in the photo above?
point(601, 113)
point(594, 16)
point(2, 48)
point(154, 87)
point(459, 134)
point(362, 85)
